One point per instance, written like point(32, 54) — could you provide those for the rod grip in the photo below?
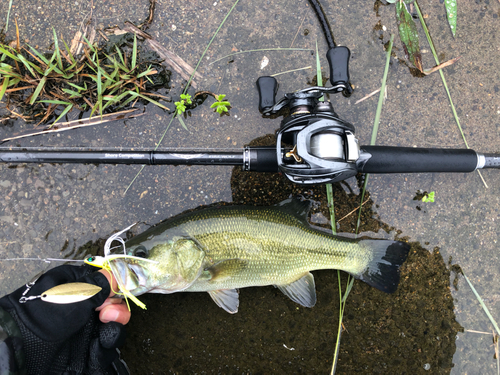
point(385, 159)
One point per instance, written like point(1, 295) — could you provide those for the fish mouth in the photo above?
point(131, 277)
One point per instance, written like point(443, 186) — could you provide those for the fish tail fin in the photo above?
point(383, 270)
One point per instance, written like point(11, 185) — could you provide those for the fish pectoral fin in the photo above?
point(301, 291)
point(225, 269)
point(226, 299)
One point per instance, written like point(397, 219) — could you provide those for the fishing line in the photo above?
point(323, 20)
point(46, 260)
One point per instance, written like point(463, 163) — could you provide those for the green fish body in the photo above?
point(219, 250)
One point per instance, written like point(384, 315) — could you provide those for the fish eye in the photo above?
point(90, 259)
point(140, 251)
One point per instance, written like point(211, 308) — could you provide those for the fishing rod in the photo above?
point(314, 145)
point(312, 148)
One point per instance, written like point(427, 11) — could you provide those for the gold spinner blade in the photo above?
point(70, 293)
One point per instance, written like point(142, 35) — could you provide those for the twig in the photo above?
point(298, 30)
point(130, 113)
point(480, 332)
point(353, 211)
point(367, 96)
point(175, 62)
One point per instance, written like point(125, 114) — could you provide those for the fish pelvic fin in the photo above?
point(383, 270)
point(301, 291)
point(226, 299)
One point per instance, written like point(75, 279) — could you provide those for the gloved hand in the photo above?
point(67, 338)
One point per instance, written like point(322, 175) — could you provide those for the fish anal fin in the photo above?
point(225, 269)
point(301, 291)
point(226, 299)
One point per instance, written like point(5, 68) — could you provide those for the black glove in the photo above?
point(67, 338)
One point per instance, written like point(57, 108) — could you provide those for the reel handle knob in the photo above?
point(338, 58)
point(267, 87)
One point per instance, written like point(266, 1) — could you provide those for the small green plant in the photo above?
point(428, 197)
point(180, 108)
point(181, 104)
point(99, 82)
point(221, 106)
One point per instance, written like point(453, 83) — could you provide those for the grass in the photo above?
point(48, 87)
point(480, 300)
point(331, 206)
point(490, 317)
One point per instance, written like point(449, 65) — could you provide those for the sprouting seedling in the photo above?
point(181, 104)
point(428, 197)
point(221, 106)
point(180, 108)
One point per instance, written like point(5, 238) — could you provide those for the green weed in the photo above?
point(221, 106)
point(46, 87)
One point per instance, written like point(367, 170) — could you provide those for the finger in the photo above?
point(115, 313)
point(111, 280)
point(110, 301)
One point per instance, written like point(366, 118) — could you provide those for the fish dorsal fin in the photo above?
point(295, 207)
point(226, 299)
point(225, 269)
point(301, 291)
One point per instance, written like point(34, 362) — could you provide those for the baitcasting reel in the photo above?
point(313, 144)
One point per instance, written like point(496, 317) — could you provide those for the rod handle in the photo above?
point(386, 159)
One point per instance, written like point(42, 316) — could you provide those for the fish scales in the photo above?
point(251, 235)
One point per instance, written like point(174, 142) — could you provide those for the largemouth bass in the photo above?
point(219, 250)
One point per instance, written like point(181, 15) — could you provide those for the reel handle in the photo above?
point(338, 59)
point(267, 87)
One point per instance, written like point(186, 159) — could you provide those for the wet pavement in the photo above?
point(67, 210)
